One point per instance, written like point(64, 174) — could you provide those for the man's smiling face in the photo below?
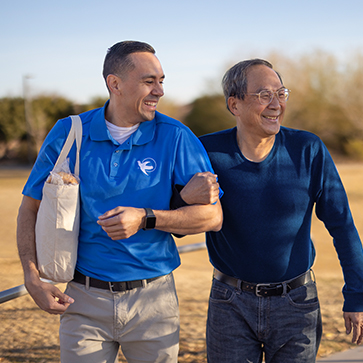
point(141, 88)
point(261, 120)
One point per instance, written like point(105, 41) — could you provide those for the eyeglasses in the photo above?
point(266, 97)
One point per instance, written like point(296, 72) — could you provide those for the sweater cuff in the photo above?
point(176, 200)
point(353, 301)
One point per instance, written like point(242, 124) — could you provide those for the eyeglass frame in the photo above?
point(287, 91)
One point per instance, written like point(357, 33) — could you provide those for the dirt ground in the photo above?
point(28, 334)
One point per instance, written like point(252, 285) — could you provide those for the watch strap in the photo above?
point(150, 219)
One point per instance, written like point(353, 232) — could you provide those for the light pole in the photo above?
point(28, 118)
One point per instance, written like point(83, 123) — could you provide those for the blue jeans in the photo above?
point(242, 327)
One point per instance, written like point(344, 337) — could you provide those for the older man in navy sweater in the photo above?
point(263, 299)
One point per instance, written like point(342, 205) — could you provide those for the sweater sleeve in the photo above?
point(333, 209)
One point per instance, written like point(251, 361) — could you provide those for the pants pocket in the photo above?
point(305, 296)
point(221, 293)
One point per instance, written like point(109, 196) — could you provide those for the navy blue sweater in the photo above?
point(268, 208)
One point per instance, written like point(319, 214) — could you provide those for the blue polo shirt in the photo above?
point(141, 172)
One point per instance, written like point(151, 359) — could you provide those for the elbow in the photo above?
point(217, 226)
point(218, 219)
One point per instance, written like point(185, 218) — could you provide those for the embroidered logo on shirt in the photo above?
point(147, 166)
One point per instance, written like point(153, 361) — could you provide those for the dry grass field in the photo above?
point(29, 335)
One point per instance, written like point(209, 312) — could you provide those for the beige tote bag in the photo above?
point(57, 225)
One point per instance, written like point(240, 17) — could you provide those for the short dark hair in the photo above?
point(117, 60)
point(234, 81)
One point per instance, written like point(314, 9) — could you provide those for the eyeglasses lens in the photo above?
point(267, 96)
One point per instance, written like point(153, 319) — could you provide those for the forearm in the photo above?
point(190, 219)
point(26, 237)
point(124, 222)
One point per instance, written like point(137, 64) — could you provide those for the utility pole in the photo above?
point(28, 119)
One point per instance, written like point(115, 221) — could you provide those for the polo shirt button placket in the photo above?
point(115, 162)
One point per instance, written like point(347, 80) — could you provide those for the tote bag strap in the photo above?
point(75, 133)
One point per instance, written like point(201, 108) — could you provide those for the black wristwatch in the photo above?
point(150, 219)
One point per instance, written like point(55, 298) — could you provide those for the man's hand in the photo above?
point(122, 222)
point(354, 320)
point(48, 297)
point(202, 188)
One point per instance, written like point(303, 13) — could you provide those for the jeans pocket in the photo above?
point(221, 293)
point(305, 296)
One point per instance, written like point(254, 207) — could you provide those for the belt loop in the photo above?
point(87, 283)
point(110, 285)
point(239, 284)
point(144, 283)
point(284, 288)
point(312, 274)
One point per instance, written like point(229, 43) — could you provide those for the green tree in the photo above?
point(21, 138)
point(170, 108)
point(46, 110)
point(209, 114)
point(95, 102)
point(12, 125)
point(12, 119)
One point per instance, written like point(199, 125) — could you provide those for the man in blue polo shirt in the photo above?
point(131, 157)
point(263, 300)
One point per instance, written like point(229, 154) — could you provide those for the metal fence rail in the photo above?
point(12, 293)
point(20, 290)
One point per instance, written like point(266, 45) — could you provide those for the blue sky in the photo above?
point(62, 44)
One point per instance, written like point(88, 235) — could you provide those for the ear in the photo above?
point(113, 84)
point(233, 106)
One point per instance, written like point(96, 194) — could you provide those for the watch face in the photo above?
point(150, 219)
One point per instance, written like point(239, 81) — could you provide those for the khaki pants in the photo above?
point(143, 321)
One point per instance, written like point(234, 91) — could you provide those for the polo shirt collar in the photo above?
point(99, 132)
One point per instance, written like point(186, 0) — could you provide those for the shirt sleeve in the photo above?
point(191, 158)
point(46, 159)
point(333, 209)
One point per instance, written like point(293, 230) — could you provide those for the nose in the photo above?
point(158, 90)
point(274, 102)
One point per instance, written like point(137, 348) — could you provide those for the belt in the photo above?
point(264, 290)
point(112, 286)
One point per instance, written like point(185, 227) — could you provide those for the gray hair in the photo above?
point(234, 81)
point(117, 60)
